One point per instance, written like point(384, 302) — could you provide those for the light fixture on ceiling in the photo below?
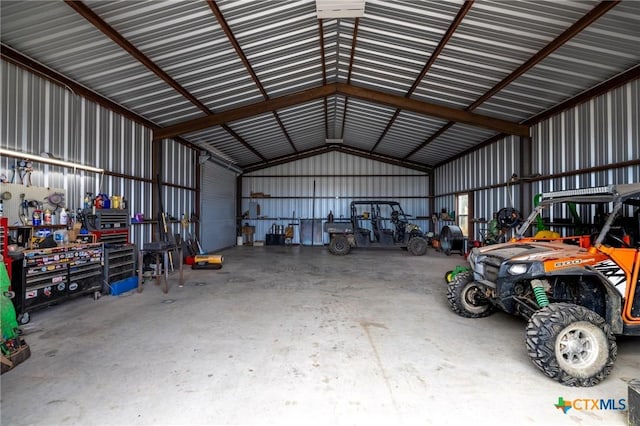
point(49, 160)
point(339, 8)
point(334, 141)
point(203, 158)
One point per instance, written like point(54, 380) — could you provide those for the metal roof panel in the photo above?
point(282, 43)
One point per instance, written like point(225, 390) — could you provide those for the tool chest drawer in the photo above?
point(45, 289)
point(85, 278)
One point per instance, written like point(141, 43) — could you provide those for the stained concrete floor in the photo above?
point(291, 336)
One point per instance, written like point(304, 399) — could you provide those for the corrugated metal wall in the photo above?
point(177, 168)
point(40, 116)
point(339, 179)
point(602, 131)
point(592, 136)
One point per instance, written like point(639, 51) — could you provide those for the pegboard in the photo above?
point(12, 206)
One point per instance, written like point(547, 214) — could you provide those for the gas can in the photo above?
point(115, 201)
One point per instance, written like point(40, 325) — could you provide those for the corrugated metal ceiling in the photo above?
point(186, 63)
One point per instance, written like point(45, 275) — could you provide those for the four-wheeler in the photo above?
point(375, 224)
point(576, 293)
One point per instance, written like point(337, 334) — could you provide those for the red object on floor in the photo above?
point(189, 260)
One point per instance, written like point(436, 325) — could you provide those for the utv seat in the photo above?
point(363, 237)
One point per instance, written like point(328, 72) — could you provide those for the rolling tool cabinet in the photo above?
point(53, 275)
point(110, 226)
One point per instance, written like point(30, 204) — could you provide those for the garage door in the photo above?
point(217, 207)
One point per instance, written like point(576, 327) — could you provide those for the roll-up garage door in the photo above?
point(217, 207)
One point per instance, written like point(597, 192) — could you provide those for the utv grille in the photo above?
point(491, 273)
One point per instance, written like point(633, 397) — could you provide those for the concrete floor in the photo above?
point(292, 336)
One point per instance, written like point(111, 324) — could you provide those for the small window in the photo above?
point(462, 213)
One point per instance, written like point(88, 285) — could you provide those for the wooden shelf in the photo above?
point(37, 227)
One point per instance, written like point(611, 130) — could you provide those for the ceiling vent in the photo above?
point(339, 8)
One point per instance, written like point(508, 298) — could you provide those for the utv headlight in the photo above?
point(518, 269)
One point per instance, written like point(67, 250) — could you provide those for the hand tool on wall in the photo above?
point(163, 229)
point(24, 210)
point(56, 200)
point(23, 168)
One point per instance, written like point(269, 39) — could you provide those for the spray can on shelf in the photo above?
point(36, 217)
point(46, 217)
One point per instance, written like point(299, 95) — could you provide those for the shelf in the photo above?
point(119, 263)
point(153, 222)
point(269, 218)
point(13, 228)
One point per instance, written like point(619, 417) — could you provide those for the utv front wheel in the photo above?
point(571, 344)
point(339, 245)
point(466, 298)
point(417, 246)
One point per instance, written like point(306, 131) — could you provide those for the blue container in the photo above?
point(124, 285)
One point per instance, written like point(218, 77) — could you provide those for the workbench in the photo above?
point(161, 273)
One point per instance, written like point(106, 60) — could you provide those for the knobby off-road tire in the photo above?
point(571, 344)
point(339, 245)
point(417, 246)
point(465, 298)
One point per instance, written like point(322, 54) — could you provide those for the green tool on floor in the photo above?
point(14, 349)
point(8, 316)
point(451, 275)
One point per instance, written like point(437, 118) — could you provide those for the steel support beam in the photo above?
point(323, 62)
point(621, 79)
point(125, 44)
point(337, 148)
point(86, 12)
point(244, 112)
point(554, 45)
point(432, 59)
point(526, 160)
point(371, 95)
point(349, 70)
point(11, 55)
point(433, 110)
point(245, 61)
